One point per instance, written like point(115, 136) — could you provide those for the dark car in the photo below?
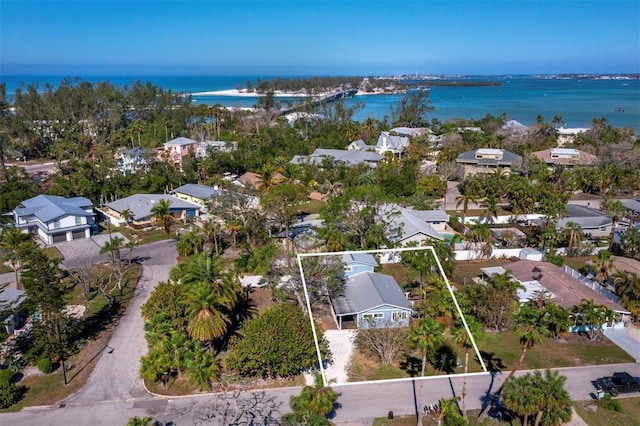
point(618, 383)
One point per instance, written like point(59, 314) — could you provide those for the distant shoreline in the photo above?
point(235, 93)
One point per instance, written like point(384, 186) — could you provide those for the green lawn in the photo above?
point(594, 415)
point(144, 237)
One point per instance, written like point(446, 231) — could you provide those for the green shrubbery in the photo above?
point(44, 365)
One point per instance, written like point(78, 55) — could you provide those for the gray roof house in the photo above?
point(393, 144)
point(349, 158)
point(359, 145)
point(486, 160)
point(56, 219)
point(355, 263)
point(198, 194)
point(371, 299)
point(140, 206)
point(407, 225)
point(593, 222)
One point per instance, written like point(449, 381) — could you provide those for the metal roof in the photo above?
point(585, 217)
point(348, 157)
point(508, 158)
point(362, 258)
point(140, 205)
point(368, 290)
point(49, 207)
point(181, 141)
point(198, 191)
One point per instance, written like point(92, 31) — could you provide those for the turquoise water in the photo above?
point(522, 98)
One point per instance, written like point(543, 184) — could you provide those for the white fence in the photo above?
point(591, 284)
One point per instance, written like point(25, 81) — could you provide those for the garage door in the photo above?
point(59, 238)
point(78, 235)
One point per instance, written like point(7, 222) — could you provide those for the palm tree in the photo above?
point(594, 317)
point(207, 321)
point(575, 237)
point(464, 200)
point(554, 401)
point(212, 229)
point(603, 262)
point(464, 338)
point(448, 412)
point(201, 366)
point(312, 405)
point(530, 326)
point(425, 336)
point(233, 226)
point(162, 215)
point(557, 319)
point(491, 205)
point(113, 248)
point(127, 215)
point(521, 397)
point(11, 239)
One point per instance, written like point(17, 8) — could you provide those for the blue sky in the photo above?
point(319, 37)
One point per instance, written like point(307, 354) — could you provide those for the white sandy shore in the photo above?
point(278, 94)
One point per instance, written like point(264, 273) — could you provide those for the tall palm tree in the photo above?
point(530, 326)
point(521, 397)
point(594, 317)
point(425, 336)
point(554, 401)
point(162, 215)
point(575, 237)
point(11, 239)
point(464, 200)
point(490, 206)
point(463, 338)
point(603, 263)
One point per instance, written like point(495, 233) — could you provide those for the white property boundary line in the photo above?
point(395, 250)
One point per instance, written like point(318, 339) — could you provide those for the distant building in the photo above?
point(594, 223)
point(566, 157)
point(197, 194)
point(132, 160)
point(203, 149)
point(346, 157)
point(56, 219)
point(487, 160)
point(176, 150)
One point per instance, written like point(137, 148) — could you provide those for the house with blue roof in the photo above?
point(371, 299)
point(56, 219)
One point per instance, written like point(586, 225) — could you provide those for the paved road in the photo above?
point(360, 404)
point(116, 375)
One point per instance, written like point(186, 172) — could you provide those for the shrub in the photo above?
point(44, 365)
point(610, 404)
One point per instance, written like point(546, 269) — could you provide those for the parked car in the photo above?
point(618, 383)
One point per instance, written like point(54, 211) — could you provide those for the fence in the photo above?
point(591, 284)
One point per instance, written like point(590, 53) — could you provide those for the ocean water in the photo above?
point(522, 98)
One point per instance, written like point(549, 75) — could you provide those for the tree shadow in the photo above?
point(412, 365)
point(244, 310)
point(444, 359)
point(494, 366)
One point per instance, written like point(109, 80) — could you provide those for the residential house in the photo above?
point(359, 145)
point(140, 206)
point(203, 149)
point(132, 160)
point(567, 157)
point(566, 287)
point(487, 160)
point(408, 225)
point(391, 143)
point(347, 157)
point(633, 209)
point(196, 194)
point(594, 223)
point(370, 299)
point(56, 219)
point(568, 135)
point(176, 150)
point(355, 263)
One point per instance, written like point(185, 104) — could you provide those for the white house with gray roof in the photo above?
point(140, 206)
point(56, 219)
point(391, 143)
point(408, 225)
point(347, 157)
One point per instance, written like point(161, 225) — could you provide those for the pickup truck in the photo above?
point(617, 383)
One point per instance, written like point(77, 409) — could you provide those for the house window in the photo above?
point(78, 220)
point(399, 315)
point(56, 224)
point(373, 315)
point(348, 268)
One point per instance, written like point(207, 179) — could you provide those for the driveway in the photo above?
point(116, 375)
point(86, 250)
point(627, 338)
point(341, 345)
